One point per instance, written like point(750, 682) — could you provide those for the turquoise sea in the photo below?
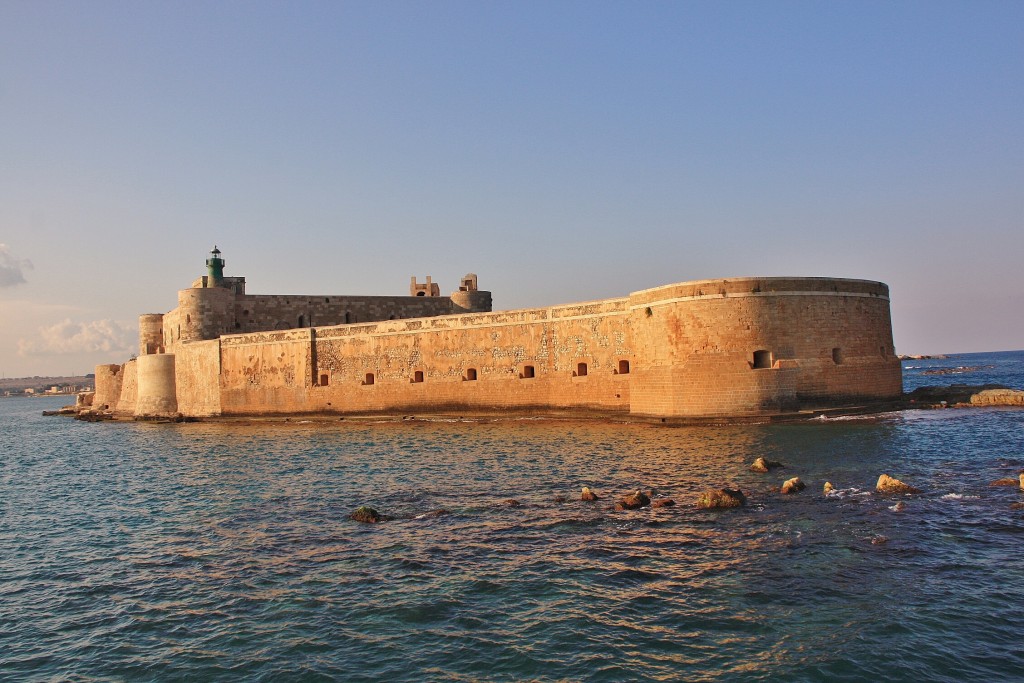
point(218, 551)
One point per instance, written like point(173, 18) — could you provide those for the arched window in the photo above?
point(581, 369)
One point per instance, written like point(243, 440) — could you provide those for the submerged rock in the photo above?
point(588, 495)
point(1006, 481)
point(721, 498)
point(793, 485)
point(637, 499)
point(663, 503)
point(1017, 506)
point(433, 514)
point(512, 503)
point(887, 484)
point(762, 465)
point(365, 514)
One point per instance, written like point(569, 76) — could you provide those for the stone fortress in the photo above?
point(748, 348)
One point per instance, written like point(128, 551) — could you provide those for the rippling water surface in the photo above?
point(216, 551)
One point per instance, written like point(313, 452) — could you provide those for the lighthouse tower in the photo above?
point(215, 267)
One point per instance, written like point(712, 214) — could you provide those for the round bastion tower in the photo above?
point(470, 299)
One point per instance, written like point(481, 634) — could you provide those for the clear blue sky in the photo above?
point(563, 151)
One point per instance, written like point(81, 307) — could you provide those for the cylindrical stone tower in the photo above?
point(157, 395)
point(151, 333)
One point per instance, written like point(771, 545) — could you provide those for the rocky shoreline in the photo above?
point(922, 398)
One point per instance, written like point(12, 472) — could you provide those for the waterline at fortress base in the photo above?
point(737, 348)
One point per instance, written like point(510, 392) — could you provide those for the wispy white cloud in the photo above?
point(12, 268)
point(106, 336)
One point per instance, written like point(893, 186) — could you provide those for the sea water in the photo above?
point(220, 551)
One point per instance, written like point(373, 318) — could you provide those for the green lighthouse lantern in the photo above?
point(215, 266)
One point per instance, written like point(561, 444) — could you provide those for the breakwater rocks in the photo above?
point(725, 498)
point(963, 395)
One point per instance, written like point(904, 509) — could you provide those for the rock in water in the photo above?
point(1022, 481)
point(365, 514)
point(1008, 481)
point(721, 498)
point(887, 484)
point(637, 499)
point(829, 488)
point(762, 465)
point(588, 494)
point(512, 503)
point(793, 485)
point(998, 397)
point(663, 503)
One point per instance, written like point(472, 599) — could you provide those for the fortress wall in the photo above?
point(269, 312)
point(740, 346)
point(265, 373)
point(699, 342)
point(326, 369)
point(197, 373)
point(129, 389)
point(108, 386)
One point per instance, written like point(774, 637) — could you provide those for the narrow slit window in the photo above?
point(527, 372)
point(762, 359)
point(837, 355)
point(417, 376)
point(581, 369)
point(471, 374)
point(623, 367)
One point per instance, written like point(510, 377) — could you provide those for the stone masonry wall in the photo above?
point(108, 386)
point(471, 361)
point(129, 390)
point(197, 371)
